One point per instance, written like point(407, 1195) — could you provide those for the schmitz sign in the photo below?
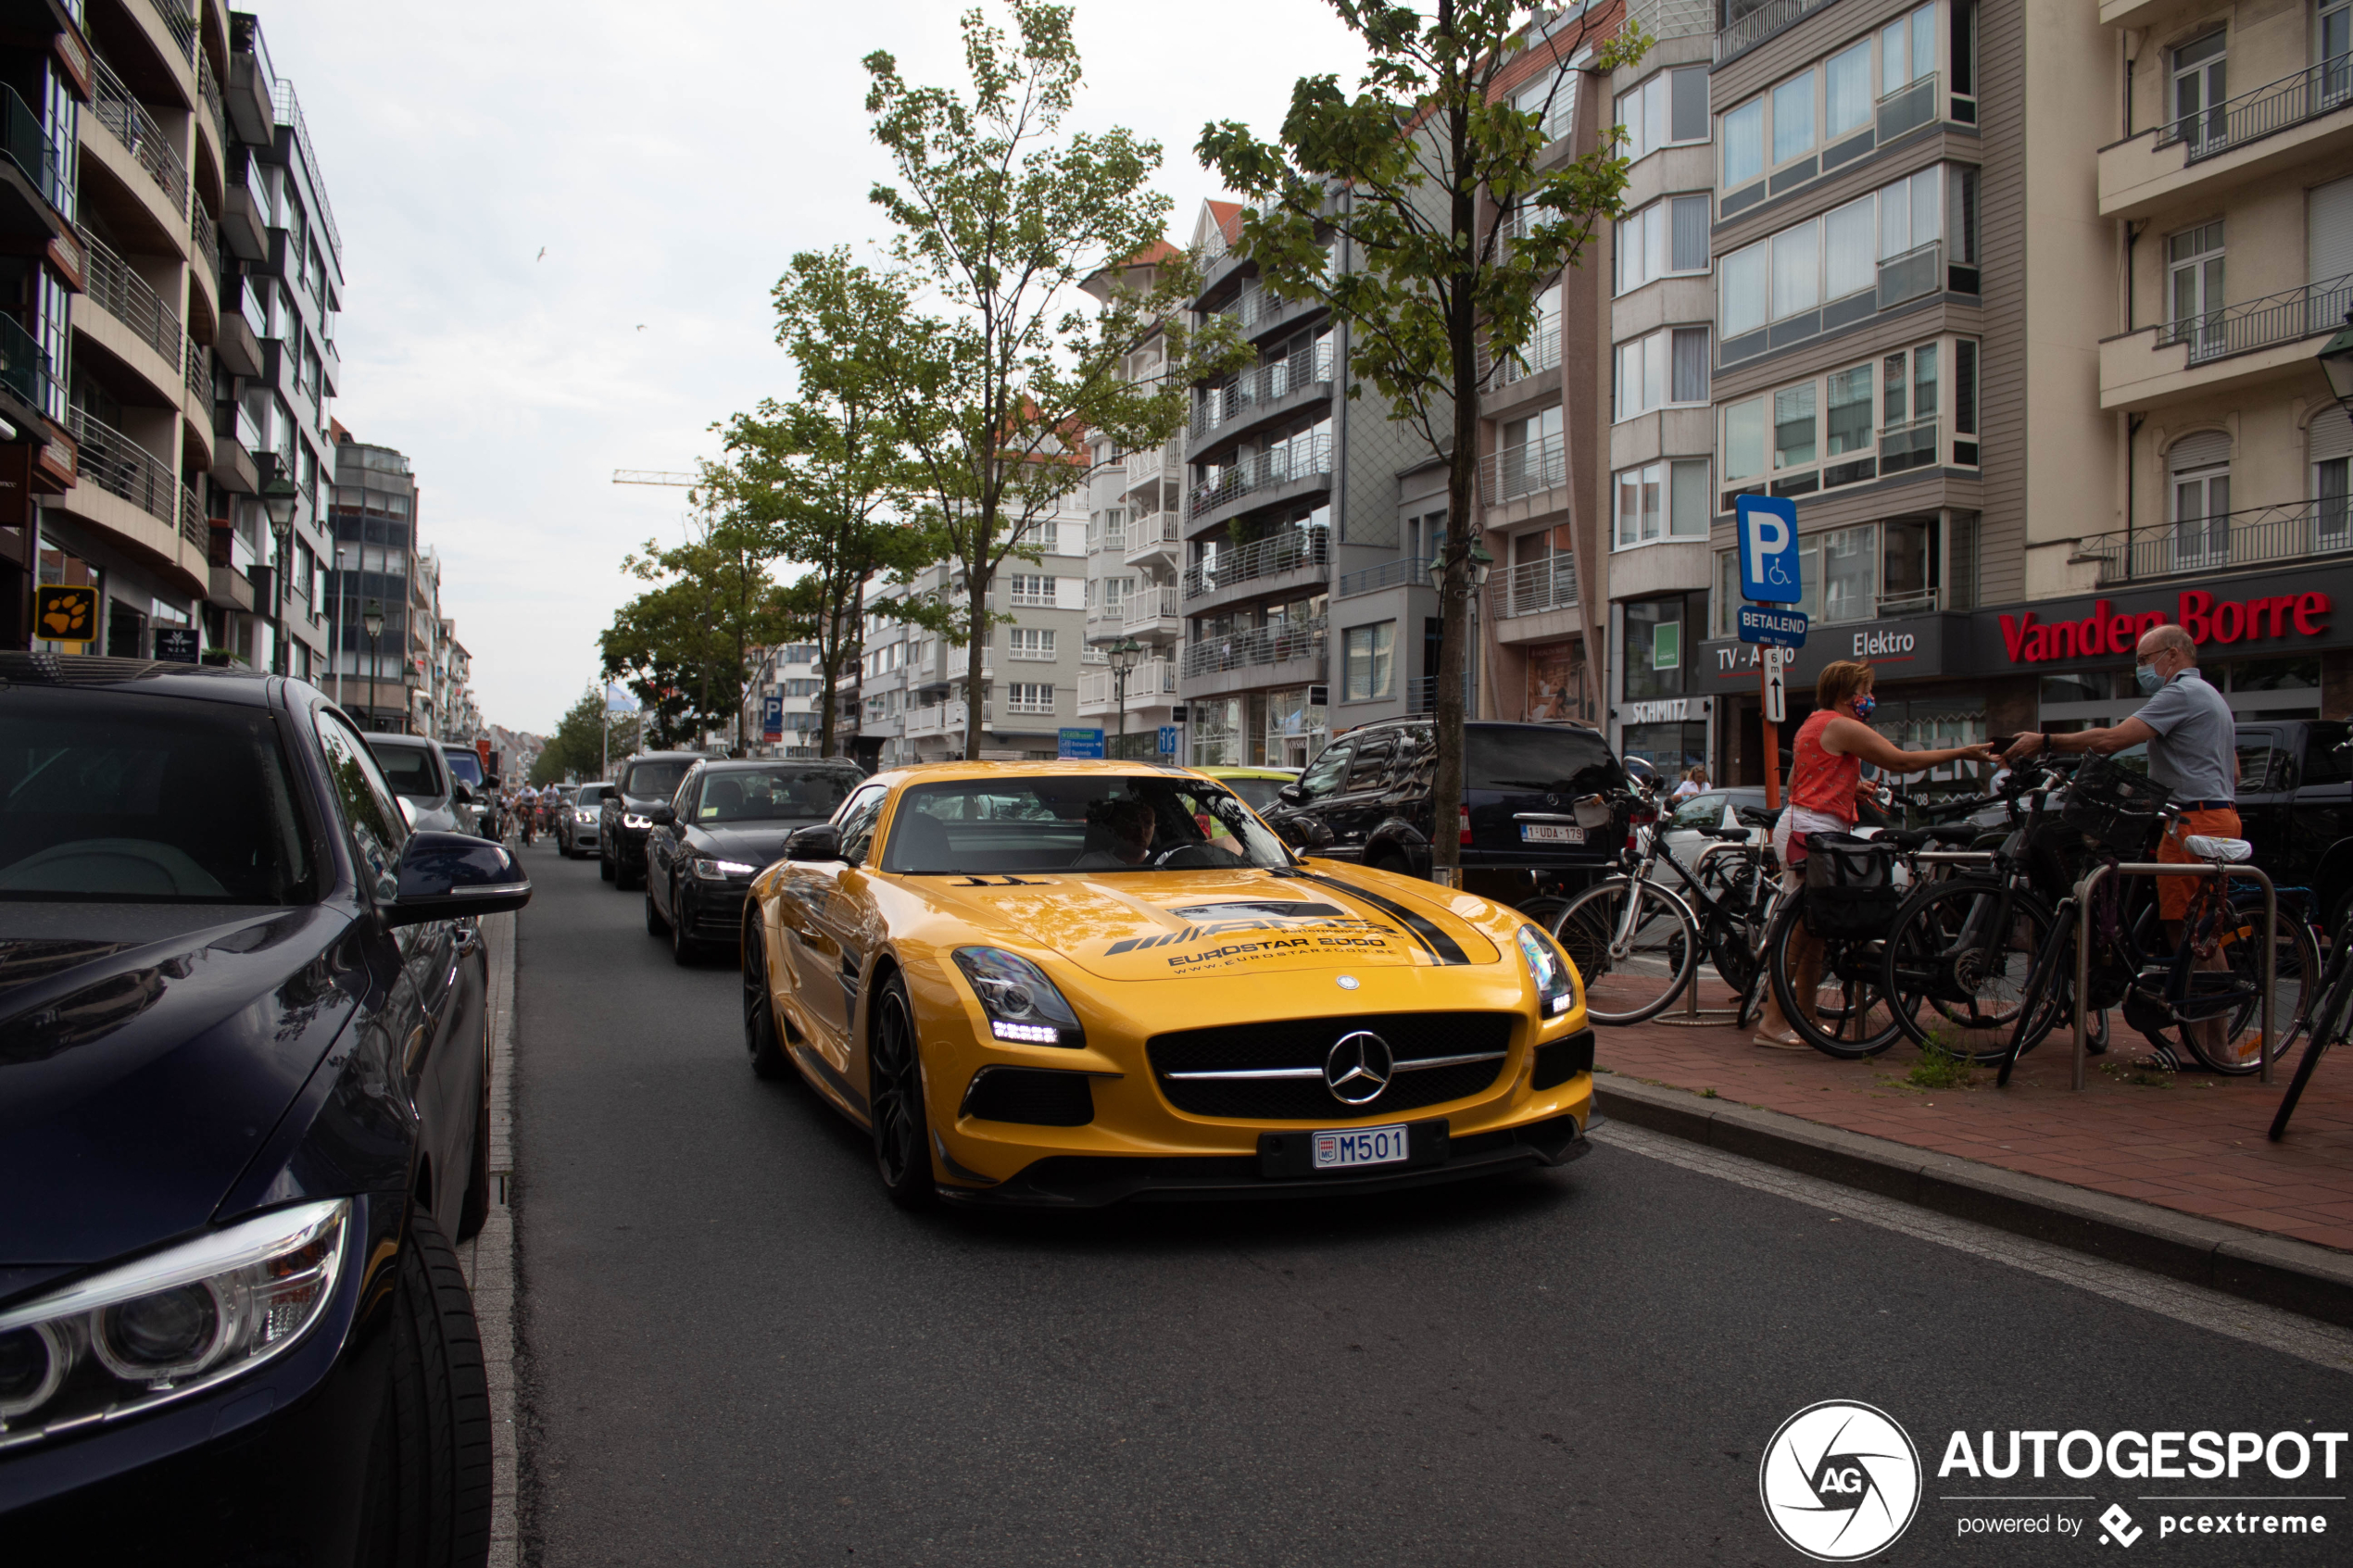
point(2108, 632)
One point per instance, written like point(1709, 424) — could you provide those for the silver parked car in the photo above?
point(576, 823)
point(420, 775)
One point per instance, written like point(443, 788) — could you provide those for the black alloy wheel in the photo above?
point(604, 864)
point(895, 1092)
point(684, 949)
point(655, 924)
point(429, 1473)
point(768, 1058)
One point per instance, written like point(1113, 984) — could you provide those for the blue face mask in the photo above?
point(2150, 682)
point(1864, 706)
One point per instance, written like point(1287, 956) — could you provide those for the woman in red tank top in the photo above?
point(1825, 777)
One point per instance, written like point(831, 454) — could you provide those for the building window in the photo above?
point(1530, 459)
point(1029, 643)
point(1848, 573)
point(1906, 50)
point(1371, 661)
point(1670, 108)
point(1886, 241)
point(1032, 590)
point(1847, 98)
point(2331, 438)
point(1664, 500)
point(2201, 86)
point(1744, 136)
point(1852, 107)
point(1822, 429)
point(2193, 289)
point(1661, 240)
point(2200, 470)
point(1654, 655)
point(1029, 696)
point(1663, 369)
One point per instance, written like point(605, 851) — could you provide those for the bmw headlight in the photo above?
point(633, 819)
point(169, 1325)
point(1555, 990)
point(722, 871)
point(586, 819)
point(1022, 1004)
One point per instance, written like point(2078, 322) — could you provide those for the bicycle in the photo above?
point(1635, 942)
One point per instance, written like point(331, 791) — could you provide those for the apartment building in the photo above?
point(788, 684)
point(380, 609)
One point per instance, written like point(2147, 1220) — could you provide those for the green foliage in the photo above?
point(1001, 377)
point(578, 749)
point(1941, 1069)
point(684, 645)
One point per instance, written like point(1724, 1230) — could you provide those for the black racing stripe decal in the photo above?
point(1428, 932)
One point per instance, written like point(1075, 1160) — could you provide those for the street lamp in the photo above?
point(278, 498)
point(1124, 655)
point(2337, 362)
point(371, 621)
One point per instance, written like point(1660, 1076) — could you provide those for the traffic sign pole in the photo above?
point(1773, 709)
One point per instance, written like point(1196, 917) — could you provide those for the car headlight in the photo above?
point(720, 871)
point(167, 1326)
point(632, 819)
point(1022, 1004)
point(586, 819)
point(1555, 990)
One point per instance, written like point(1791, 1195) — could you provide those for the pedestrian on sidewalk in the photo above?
point(1825, 785)
point(1694, 782)
point(2193, 744)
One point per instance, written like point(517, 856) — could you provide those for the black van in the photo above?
point(1365, 797)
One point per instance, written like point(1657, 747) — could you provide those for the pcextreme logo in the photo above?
point(1840, 1480)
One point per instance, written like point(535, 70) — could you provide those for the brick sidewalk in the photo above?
point(2192, 1141)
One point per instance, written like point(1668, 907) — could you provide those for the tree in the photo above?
point(824, 479)
point(580, 746)
point(998, 384)
point(684, 645)
point(1399, 172)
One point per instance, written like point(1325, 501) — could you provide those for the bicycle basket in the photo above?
point(2114, 829)
point(1850, 887)
point(2107, 782)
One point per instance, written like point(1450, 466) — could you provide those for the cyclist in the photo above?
point(1826, 791)
point(527, 811)
point(2192, 745)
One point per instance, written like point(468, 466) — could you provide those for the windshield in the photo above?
point(464, 766)
point(1257, 793)
point(589, 795)
point(146, 799)
point(1541, 758)
point(1073, 822)
point(653, 778)
point(409, 768)
point(768, 795)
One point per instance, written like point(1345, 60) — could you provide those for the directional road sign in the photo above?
point(1081, 744)
point(1775, 627)
point(1168, 740)
point(1776, 686)
point(1768, 529)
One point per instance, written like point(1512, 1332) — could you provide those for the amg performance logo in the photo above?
point(1203, 932)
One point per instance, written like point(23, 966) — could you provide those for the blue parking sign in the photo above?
point(1767, 528)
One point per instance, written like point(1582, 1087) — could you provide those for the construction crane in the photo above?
point(656, 476)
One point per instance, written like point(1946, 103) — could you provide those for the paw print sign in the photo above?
point(65, 612)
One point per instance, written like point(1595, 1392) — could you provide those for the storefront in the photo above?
point(1662, 712)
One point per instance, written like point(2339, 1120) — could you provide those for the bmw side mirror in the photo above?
point(660, 816)
point(1305, 835)
point(451, 875)
point(1292, 795)
point(461, 793)
point(821, 842)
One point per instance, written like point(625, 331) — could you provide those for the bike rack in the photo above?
point(2223, 873)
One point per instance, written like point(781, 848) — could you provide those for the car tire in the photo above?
point(655, 924)
point(604, 866)
point(1392, 862)
point(895, 1096)
point(626, 880)
point(767, 1052)
point(684, 949)
point(474, 1211)
point(429, 1467)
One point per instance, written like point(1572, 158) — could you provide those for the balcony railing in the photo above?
point(287, 110)
point(1158, 462)
point(1255, 388)
point(2273, 107)
point(1257, 305)
point(197, 370)
point(207, 238)
point(181, 20)
point(1421, 694)
point(1152, 681)
point(131, 300)
point(121, 467)
point(1529, 469)
point(1147, 606)
point(1405, 571)
point(26, 143)
point(208, 89)
point(1264, 644)
point(2298, 531)
point(2310, 312)
point(195, 527)
point(1910, 446)
point(1263, 470)
point(24, 367)
point(1918, 271)
point(1748, 28)
point(113, 106)
point(1541, 353)
point(1151, 531)
point(1287, 551)
point(1532, 587)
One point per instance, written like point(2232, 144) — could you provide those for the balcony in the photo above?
point(1745, 28)
point(1258, 310)
point(113, 106)
point(2299, 531)
point(2240, 345)
point(129, 299)
point(179, 20)
point(1159, 462)
point(1262, 394)
point(1515, 473)
point(121, 467)
point(287, 110)
point(208, 89)
point(1279, 556)
point(235, 443)
point(1405, 571)
point(1259, 648)
point(1532, 587)
point(1290, 464)
point(208, 239)
point(1539, 354)
point(26, 143)
point(1154, 533)
point(24, 367)
point(1421, 694)
point(1149, 609)
point(1153, 683)
point(2295, 119)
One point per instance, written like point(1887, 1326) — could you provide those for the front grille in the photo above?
point(1304, 1043)
point(1562, 1059)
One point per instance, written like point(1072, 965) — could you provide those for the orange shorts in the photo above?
point(2174, 893)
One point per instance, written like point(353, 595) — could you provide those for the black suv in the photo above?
point(1365, 797)
point(646, 781)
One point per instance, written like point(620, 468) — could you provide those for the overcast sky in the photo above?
point(670, 159)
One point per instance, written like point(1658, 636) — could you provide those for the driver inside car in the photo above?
point(1130, 823)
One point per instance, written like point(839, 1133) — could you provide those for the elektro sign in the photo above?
point(2105, 632)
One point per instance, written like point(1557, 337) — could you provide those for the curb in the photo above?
point(489, 1259)
point(2293, 1275)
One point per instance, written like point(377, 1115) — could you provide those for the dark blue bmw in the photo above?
point(243, 1117)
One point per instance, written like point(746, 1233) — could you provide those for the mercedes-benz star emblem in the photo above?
point(1358, 1068)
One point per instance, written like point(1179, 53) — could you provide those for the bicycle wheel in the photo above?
point(2327, 1022)
point(1636, 982)
point(1963, 989)
point(1848, 1014)
point(2224, 1007)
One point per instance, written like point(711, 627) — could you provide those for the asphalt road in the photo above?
point(736, 1351)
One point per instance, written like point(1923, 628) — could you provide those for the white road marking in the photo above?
point(2303, 1338)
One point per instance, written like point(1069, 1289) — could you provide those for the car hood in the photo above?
point(756, 844)
point(146, 1054)
point(1160, 925)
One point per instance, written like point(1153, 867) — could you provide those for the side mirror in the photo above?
point(1305, 833)
point(660, 816)
point(461, 793)
point(1292, 795)
point(821, 842)
point(450, 876)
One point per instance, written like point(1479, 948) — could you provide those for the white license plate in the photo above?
point(1550, 833)
point(1361, 1146)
